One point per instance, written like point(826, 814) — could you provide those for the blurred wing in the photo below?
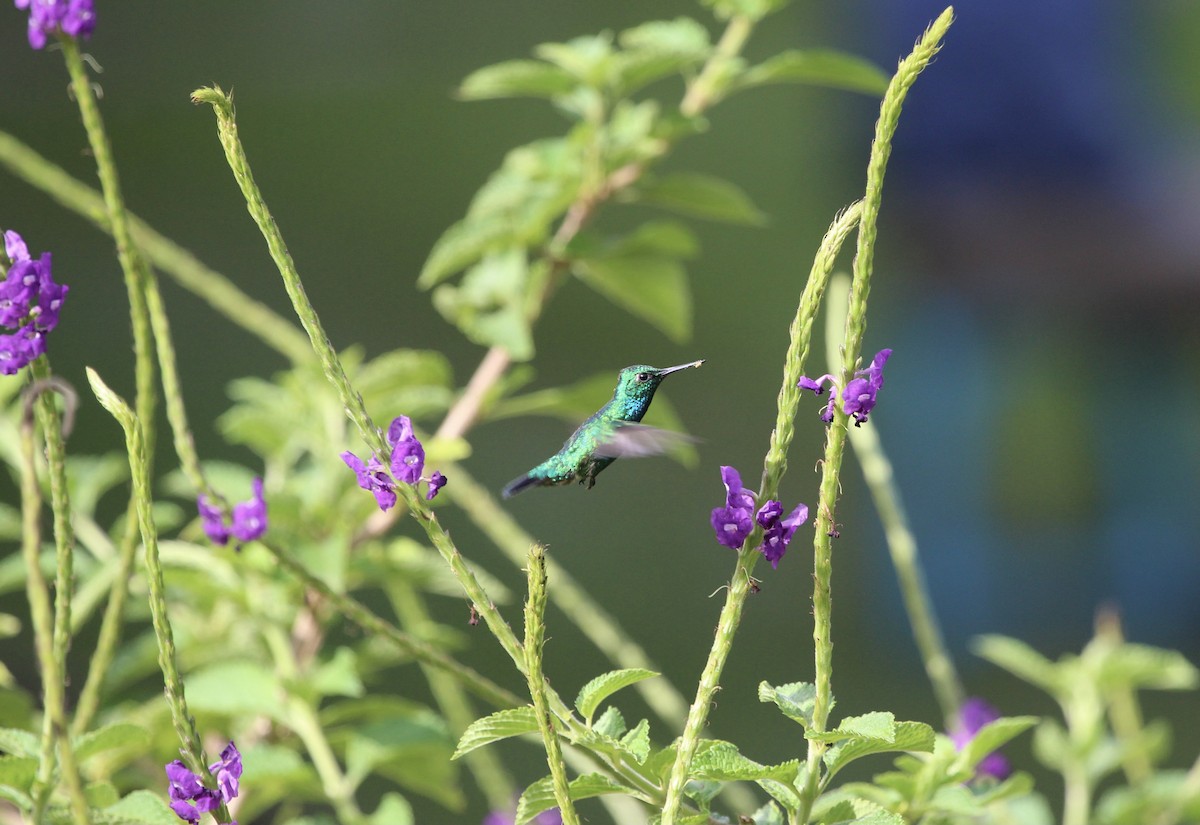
point(638, 440)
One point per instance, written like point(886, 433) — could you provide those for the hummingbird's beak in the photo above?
point(678, 367)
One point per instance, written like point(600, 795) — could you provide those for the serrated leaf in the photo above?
point(992, 736)
point(539, 796)
point(516, 78)
point(138, 808)
point(703, 196)
point(598, 689)
point(796, 700)
point(19, 742)
point(654, 289)
point(236, 687)
point(879, 725)
point(782, 792)
point(500, 725)
point(910, 736)
point(120, 735)
point(637, 741)
point(611, 723)
point(817, 67)
point(1019, 659)
point(723, 762)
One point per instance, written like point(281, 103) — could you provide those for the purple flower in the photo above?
point(974, 714)
point(249, 517)
point(228, 770)
point(75, 18)
point(550, 817)
point(858, 396)
point(30, 302)
point(408, 456)
point(733, 522)
point(372, 477)
point(436, 482)
point(189, 797)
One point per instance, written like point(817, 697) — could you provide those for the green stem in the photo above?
point(535, 637)
point(775, 465)
point(877, 471)
point(1124, 711)
point(703, 92)
point(835, 443)
point(185, 726)
point(422, 651)
point(218, 291)
point(497, 786)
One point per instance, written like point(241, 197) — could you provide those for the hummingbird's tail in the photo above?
point(520, 484)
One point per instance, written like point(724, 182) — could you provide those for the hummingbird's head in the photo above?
point(637, 384)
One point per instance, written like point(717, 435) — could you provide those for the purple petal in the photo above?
point(250, 517)
point(185, 810)
point(212, 519)
point(400, 430)
point(858, 399)
point(735, 495)
point(183, 783)
point(875, 371)
point(769, 513)
point(228, 771)
point(14, 244)
point(817, 386)
point(408, 460)
point(436, 482)
point(732, 525)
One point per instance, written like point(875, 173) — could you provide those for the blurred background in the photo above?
point(1037, 274)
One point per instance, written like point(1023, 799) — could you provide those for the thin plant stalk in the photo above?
point(775, 464)
point(50, 641)
point(835, 443)
point(535, 638)
point(902, 544)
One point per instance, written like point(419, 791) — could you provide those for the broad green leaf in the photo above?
point(338, 676)
point(18, 771)
point(119, 735)
point(588, 58)
point(991, 736)
point(539, 796)
point(1019, 659)
point(654, 289)
point(101, 794)
point(393, 809)
point(879, 725)
point(611, 723)
point(637, 741)
point(461, 245)
point(879, 816)
point(1143, 666)
point(910, 736)
point(703, 791)
point(236, 687)
point(817, 67)
point(956, 799)
point(1050, 744)
point(500, 725)
point(723, 762)
point(703, 196)
point(19, 742)
point(488, 306)
point(795, 699)
point(768, 814)
point(754, 9)
point(782, 792)
point(598, 689)
point(516, 78)
point(1018, 784)
point(681, 36)
point(412, 750)
point(138, 808)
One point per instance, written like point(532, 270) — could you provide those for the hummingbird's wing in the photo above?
point(631, 440)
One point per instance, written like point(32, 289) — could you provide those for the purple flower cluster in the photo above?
point(974, 714)
point(550, 817)
point(733, 522)
point(189, 797)
point(74, 18)
point(29, 303)
point(859, 394)
point(406, 465)
point(249, 517)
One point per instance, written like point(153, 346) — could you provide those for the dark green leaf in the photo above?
point(500, 725)
point(516, 78)
point(605, 685)
point(796, 700)
point(703, 196)
point(817, 67)
point(652, 288)
point(539, 796)
point(119, 735)
point(910, 736)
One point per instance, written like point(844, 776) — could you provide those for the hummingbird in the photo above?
point(611, 432)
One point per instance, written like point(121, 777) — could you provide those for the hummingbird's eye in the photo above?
point(643, 376)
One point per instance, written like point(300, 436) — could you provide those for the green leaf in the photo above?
point(19, 742)
point(879, 725)
point(754, 9)
point(500, 725)
point(611, 723)
point(782, 792)
point(393, 809)
point(489, 304)
point(652, 288)
point(236, 687)
point(412, 750)
point(1019, 659)
point(769, 814)
point(992, 736)
point(796, 700)
point(1018, 784)
point(703, 791)
point(681, 36)
point(721, 761)
point(817, 67)
point(338, 676)
point(516, 78)
point(138, 808)
point(910, 736)
point(1143, 666)
point(703, 196)
point(539, 796)
point(18, 771)
point(120, 735)
point(588, 58)
point(101, 794)
point(637, 741)
point(461, 245)
point(598, 689)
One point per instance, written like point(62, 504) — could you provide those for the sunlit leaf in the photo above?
point(603, 686)
point(910, 736)
point(817, 67)
point(703, 196)
point(1019, 659)
point(539, 796)
point(516, 78)
point(796, 700)
point(119, 735)
point(500, 725)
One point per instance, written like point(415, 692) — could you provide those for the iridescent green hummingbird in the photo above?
point(611, 432)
